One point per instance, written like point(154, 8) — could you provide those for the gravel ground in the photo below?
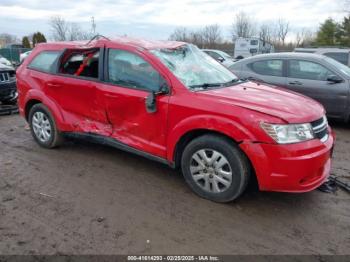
point(89, 199)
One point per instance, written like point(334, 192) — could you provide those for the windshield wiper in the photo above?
point(206, 85)
point(233, 81)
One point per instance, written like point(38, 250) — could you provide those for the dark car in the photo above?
point(8, 91)
point(319, 77)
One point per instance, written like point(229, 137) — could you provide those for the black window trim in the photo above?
point(106, 71)
point(310, 61)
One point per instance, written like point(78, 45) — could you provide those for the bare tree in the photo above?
point(304, 37)
point(267, 33)
point(74, 32)
point(282, 30)
point(8, 38)
point(180, 34)
point(59, 28)
point(65, 31)
point(197, 38)
point(243, 26)
point(212, 35)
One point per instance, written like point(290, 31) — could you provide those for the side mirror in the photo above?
point(221, 59)
point(334, 79)
point(151, 102)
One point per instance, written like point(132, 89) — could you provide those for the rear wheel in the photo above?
point(215, 168)
point(43, 127)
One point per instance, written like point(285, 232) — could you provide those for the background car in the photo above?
point(24, 56)
point(220, 56)
point(8, 91)
point(342, 55)
point(317, 76)
point(4, 61)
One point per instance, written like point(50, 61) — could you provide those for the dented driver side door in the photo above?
point(130, 77)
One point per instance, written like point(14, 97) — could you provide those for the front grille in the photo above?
point(320, 128)
point(5, 77)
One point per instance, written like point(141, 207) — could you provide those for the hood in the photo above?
point(3, 66)
point(288, 106)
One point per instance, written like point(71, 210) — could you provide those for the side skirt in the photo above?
point(116, 144)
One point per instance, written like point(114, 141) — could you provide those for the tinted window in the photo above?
point(44, 61)
point(268, 67)
point(215, 55)
point(308, 70)
point(130, 70)
point(254, 42)
point(81, 63)
point(340, 57)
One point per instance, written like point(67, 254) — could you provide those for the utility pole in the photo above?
point(93, 25)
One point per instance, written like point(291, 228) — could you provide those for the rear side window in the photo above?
point(268, 67)
point(340, 57)
point(44, 61)
point(81, 63)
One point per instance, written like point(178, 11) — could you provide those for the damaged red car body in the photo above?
point(172, 103)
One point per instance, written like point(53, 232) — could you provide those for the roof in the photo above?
point(136, 42)
point(286, 55)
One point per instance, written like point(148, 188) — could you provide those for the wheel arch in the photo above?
point(36, 97)
point(192, 128)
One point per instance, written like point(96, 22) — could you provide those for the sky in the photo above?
point(156, 19)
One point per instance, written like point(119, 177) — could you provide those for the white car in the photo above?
point(4, 61)
point(24, 56)
point(220, 56)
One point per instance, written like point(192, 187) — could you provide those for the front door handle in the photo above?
point(296, 83)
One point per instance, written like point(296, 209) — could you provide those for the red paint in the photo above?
point(80, 105)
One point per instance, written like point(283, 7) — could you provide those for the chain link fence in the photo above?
point(13, 54)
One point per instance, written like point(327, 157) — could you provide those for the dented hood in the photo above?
point(288, 106)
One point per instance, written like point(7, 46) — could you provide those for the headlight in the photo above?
point(287, 134)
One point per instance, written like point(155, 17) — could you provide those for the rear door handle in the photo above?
point(297, 83)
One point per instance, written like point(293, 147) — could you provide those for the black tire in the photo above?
point(56, 137)
point(238, 163)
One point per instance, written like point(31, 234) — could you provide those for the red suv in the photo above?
point(170, 102)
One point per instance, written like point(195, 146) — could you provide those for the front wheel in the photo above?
point(43, 127)
point(215, 168)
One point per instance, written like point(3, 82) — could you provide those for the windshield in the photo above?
point(225, 55)
point(194, 68)
point(343, 68)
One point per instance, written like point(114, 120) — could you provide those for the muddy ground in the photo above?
point(89, 199)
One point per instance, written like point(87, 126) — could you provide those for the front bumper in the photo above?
point(8, 91)
point(299, 167)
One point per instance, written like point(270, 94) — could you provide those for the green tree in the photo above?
point(38, 38)
point(328, 33)
point(345, 32)
point(25, 42)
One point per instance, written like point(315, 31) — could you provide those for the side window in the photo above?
point(44, 61)
point(130, 70)
point(340, 57)
point(268, 67)
point(215, 56)
point(254, 42)
point(81, 63)
point(308, 70)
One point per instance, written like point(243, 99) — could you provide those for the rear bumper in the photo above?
point(297, 167)
point(8, 91)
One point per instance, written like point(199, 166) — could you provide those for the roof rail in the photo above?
point(97, 37)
